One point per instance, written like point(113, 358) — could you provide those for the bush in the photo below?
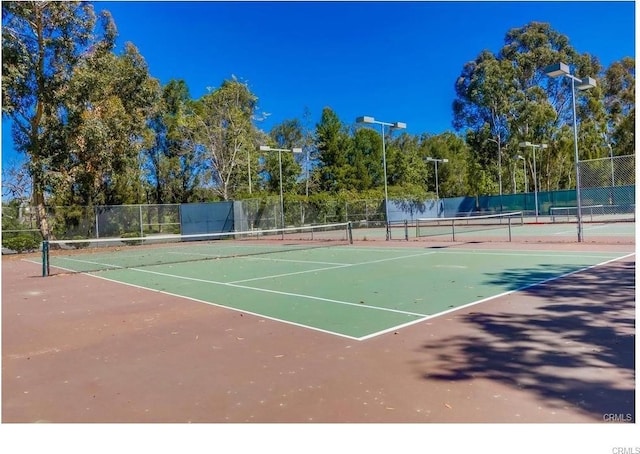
point(80, 245)
point(132, 242)
point(21, 243)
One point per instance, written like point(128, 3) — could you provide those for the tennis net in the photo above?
point(92, 255)
point(453, 226)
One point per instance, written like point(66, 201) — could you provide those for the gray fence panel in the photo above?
point(201, 218)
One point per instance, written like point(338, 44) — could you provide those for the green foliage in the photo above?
point(72, 221)
point(21, 243)
point(172, 164)
point(619, 100)
point(109, 100)
point(507, 98)
point(41, 43)
point(222, 126)
point(334, 146)
point(10, 215)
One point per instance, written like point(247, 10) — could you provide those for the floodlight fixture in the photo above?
point(587, 83)
point(557, 70)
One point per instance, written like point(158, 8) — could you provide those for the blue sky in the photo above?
point(395, 61)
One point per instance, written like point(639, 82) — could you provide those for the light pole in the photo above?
point(249, 169)
point(436, 161)
point(499, 167)
point(280, 150)
point(524, 167)
point(535, 171)
point(613, 181)
point(558, 70)
point(396, 125)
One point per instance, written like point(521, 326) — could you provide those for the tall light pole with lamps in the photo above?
point(560, 70)
point(396, 125)
point(436, 161)
point(280, 150)
point(535, 172)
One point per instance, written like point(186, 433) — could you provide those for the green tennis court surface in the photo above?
point(351, 291)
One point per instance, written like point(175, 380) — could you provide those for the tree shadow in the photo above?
point(570, 341)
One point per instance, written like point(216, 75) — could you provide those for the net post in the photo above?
point(45, 258)
point(509, 219)
point(349, 232)
point(406, 230)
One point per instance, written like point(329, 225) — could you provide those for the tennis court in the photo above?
point(324, 330)
point(352, 291)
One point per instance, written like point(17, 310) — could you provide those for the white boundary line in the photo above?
point(345, 265)
point(589, 228)
point(278, 292)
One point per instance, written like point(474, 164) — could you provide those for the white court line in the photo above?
point(519, 252)
point(268, 259)
point(89, 262)
point(345, 265)
point(592, 227)
point(534, 254)
point(298, 295)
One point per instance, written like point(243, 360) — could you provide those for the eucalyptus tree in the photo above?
point(42, 41)
point(109, 101)
point(222, 126)
point(545, 115)
point(619, 100)
point(173, 163)
point(484, 105)
point(508, 98)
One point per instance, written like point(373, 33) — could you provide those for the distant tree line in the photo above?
point(98, 129)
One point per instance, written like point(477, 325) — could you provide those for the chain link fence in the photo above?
point(607, 188)
point(609, 183)
point(265, 213)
